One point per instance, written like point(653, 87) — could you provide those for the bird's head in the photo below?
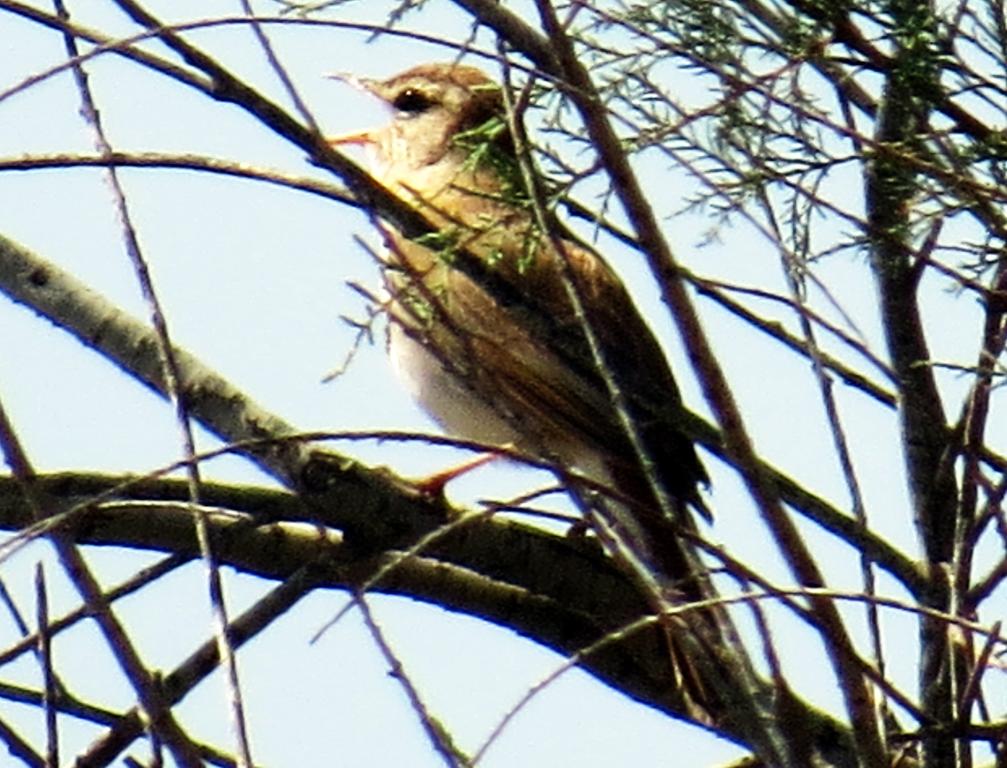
point(432, 106)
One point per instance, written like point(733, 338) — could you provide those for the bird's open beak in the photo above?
point(357, 138)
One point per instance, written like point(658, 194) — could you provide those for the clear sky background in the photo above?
point(254, 282)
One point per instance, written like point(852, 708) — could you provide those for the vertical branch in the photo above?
point(174, 389)
point(891, 186)
point(974, 433)
point(49, 690)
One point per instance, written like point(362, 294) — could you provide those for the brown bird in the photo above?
point(502, 357)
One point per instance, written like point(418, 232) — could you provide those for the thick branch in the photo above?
point(891, 185)
point(557, 591)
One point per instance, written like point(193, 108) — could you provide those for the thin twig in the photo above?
point(173, 386)
point(441, 740)
point(49, 686)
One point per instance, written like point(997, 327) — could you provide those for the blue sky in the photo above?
point(254, 282)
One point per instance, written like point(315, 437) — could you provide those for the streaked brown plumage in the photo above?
point(523, 373)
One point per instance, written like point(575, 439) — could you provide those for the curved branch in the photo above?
point(183, 162)
point(555, 590)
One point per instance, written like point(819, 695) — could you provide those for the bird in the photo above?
point(497, 352)
point(487, 332)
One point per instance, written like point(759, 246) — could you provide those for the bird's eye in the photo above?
point(412, 101)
